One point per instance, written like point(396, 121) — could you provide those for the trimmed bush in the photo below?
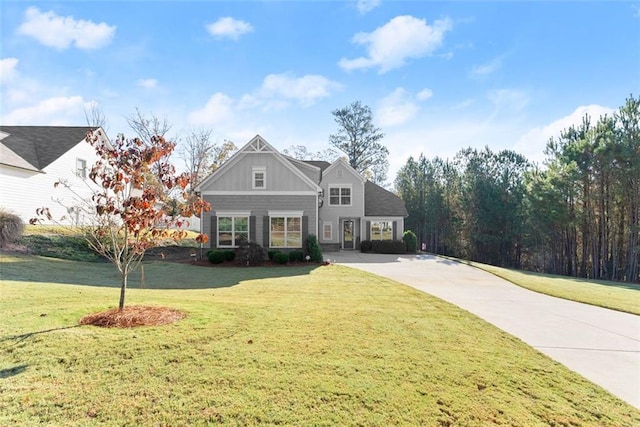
point(281, 258)
point(11, 227)
point(296, 256)
point(229, 255)
point(216, 256)
point(250, 254)
point(313, 249)
point(388, 247)
point(271, 254)
point(410, 241)
point(366, 246)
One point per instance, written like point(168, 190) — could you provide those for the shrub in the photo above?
point(410, 241)
point(296, 256)
point(366, 246)
point(216, 256)
point(229, 255)
point(250, 254)
point(388, 247)
point(11, 227)
point(281, 258)
point(313, 249)
point(271, 253)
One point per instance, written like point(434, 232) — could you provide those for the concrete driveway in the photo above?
point(600, 344)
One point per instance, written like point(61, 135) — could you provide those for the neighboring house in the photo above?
point(33, 159)
point(277, 201)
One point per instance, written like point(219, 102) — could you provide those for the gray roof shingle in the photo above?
point(40, 146)
point(381, 202)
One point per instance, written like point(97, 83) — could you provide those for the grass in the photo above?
point(301, 346)
point(618, 296)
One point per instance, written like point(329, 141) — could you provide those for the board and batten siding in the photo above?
point(259, 207)
point(239, 177)
point(341, 176)
point(22, 191)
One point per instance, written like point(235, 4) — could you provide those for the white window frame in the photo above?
point(233, 216)
point(255, 172)
point(81, 172)
point(341, 187)
point(327, 226)
point(286, 215)
point(390, 222)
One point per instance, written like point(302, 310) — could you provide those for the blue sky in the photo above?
point(439, 76)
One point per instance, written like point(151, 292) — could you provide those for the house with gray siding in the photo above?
point(276, 201)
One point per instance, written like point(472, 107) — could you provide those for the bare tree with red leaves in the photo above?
point(132, 178)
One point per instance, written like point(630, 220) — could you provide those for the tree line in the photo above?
point(577, 215)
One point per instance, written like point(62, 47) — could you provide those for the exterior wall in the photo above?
point(335, 214)
point(259, 206)
point(22, 192)
point(239, 176)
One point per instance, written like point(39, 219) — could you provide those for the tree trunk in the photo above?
point(123, 288)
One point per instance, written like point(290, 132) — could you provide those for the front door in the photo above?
point(348, 237)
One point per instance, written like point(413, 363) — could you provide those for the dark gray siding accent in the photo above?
point(213, 238)
point(252, 228)
point(368, 230)
point(305, 229)
point(395, 230)
point(265, 231)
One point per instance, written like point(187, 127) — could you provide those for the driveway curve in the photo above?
point(600, 344)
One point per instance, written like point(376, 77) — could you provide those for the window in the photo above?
point(340, 195)
point(232, 229)
point(381, 230)
point(286, 232)
point(259, 178)
point(327, 232)
point(81, 168)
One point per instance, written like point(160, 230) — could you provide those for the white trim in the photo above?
point(285, 213)
point(233, 213)
point(259, 192)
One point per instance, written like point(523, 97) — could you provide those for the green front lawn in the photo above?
point(275, 345)
point(618, 296)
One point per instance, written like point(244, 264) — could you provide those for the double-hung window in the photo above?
point(259, 178)
point(81, 168)
point(232, 229)
point(285, 230)
point(340, 195)
point(381, 230)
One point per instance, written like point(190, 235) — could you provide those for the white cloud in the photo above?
point(305, 90)
point(56, 111)
point(396, 108)
point(228, 27)
point(218, 109)
point(463, 104)
point(483, 70)
point(8, 70)
point(402, 38)
point(533, 143)
point(424, 94)
point(148, 83)
point(61, 32)
point(508, 100)
point(365, 6)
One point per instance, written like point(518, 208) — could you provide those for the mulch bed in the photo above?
point(133, 316)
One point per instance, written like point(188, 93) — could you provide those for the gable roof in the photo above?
point(345, 164)
point(382, 202)
point(256, 145)
point(36, 147)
